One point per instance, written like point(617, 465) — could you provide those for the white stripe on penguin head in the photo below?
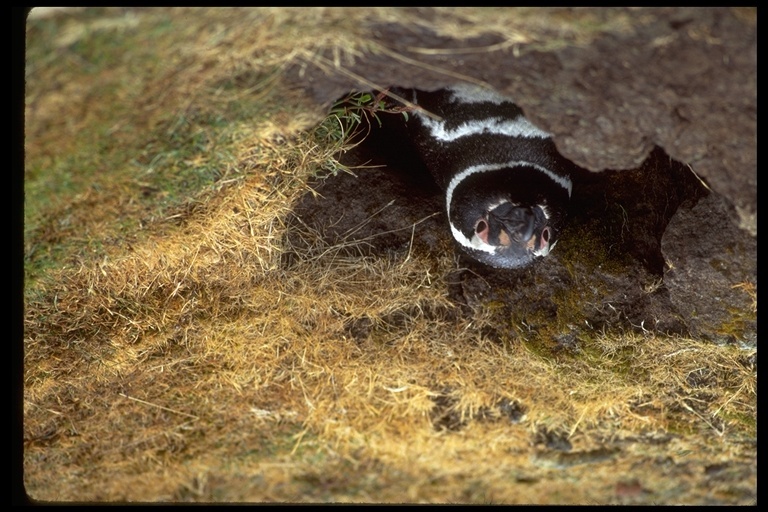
point(518, 127)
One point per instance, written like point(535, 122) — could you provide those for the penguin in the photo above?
point(506, 187)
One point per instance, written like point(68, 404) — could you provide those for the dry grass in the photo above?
point(170, 357)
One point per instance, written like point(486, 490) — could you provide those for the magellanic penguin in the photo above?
point(506, 187)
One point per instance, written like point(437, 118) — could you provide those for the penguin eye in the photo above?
point(481, 226)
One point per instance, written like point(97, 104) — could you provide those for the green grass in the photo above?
point(121, 163)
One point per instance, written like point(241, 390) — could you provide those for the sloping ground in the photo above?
point(201, 325)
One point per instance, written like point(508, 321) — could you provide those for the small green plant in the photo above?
point(351, 116)
point(348, 123)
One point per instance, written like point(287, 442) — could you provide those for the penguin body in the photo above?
point(506, 187)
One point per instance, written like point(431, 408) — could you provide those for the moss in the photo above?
point(744, 422)
point(587, 247)
point(740, 326)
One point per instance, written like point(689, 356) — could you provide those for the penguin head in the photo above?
point(507, 217)
point(505, 234)
point(508, 225)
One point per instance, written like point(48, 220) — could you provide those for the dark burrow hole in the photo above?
point(388, 206)
point(391, 204)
